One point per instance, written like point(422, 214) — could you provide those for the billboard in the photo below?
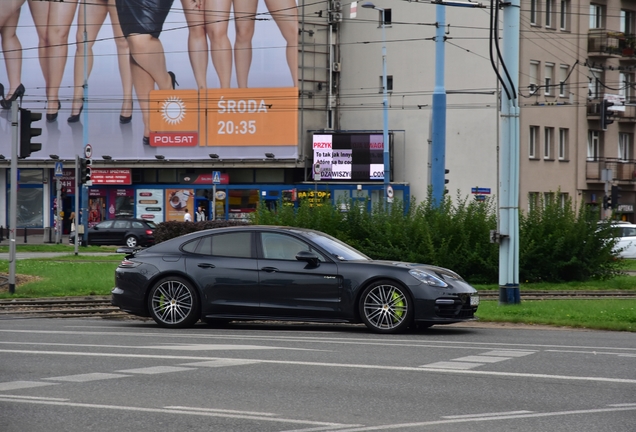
point(195, 89)
point(349, 156)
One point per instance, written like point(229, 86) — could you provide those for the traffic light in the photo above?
point(63, 193)
point(446, 171)
point(606, 114)
point(607, 202)
point(27, 132)
point(615, 196)
point(85, 171)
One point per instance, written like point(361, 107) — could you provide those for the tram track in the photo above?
point(100, 306)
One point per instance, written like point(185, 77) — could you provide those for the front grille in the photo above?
point(459, 308)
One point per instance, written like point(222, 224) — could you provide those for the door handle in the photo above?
point(269, 269)
point(206, 265)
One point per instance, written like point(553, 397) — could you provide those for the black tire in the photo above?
point(386, 307)
point(131, 241)
point(174, 303)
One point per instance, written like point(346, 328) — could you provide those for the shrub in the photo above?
point(171, 229)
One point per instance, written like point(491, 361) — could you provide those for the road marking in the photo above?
point(593, 352)
point(339, 365)
point(411, 343)
point(219, 411)
point(34, 398)
point(186, 411)
point(485, 414)
point(452, 365)
point(211, 347)
point(17, 385)
point(152, 370)
point(481, 359)
point(509, 353)
point(482, 419)
point(96, 376)
point(222, 363)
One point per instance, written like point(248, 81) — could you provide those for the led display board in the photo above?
point(349, 156)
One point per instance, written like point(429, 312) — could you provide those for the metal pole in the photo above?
point(438, 149)
point(58, 209)
point(385, 118)
point(214, 202)
point(85, 130)
point(509, 164)
point(13, 204)
point(77, 209)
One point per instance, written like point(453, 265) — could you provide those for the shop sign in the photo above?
point(111, 177)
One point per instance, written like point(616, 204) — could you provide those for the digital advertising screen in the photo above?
point(348, 156)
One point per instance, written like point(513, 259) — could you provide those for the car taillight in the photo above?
point(128, 264)
point(149, 232)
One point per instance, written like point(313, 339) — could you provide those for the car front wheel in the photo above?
point(386, 307)
point(173, 303)
point(131, 241)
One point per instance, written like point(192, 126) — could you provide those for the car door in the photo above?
point(295, 289)
point(100, 233)
point(225, 268)
point(117, 234)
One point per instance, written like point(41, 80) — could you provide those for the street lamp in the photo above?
point(385, 103)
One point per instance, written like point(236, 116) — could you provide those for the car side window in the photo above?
point(104, 225)
point(284, 247)
point(136, 224)
point(121, 224)
point(236, 245)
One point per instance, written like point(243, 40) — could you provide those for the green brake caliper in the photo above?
point(398, 303)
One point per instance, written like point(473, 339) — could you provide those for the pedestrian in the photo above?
point(200, 215)
point(187, 217)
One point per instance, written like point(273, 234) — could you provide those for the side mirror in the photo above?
point(308, 256)
point(96, 228)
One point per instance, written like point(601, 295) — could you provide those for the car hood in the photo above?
point(441, 271)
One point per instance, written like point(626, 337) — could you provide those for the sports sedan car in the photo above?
point(284, 273)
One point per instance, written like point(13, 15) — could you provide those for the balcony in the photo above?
point(604, 43)
point(627, 116)
point(622, 170)
point(594, 109)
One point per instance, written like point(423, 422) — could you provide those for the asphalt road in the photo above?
point(100, 375)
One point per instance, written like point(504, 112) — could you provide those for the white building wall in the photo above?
point(472, 119)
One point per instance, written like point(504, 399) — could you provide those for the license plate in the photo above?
point(474, 300)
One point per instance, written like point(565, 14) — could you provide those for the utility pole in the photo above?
point(509, 162)
point(13, 204)
point(438, 150)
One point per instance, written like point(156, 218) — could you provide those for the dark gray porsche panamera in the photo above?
point(284, 273)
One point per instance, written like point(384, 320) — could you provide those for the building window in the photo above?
point(593, 144)
point(547, 143)
point(549, 11)
point(387, 17)
point(626, 81)
point(627, 22)
point(533, 200)
point(389, 84)
point(596, 16)
point(563, 75)
point(533, 79)
point(563, 144)
point(533, 12)
point(533, 142)
point(548, 198)
point(624, 146)
point(564, 15)
point(549, 73)
point(563, 200)
point(595, 84)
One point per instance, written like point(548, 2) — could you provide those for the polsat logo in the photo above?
point(173, 123)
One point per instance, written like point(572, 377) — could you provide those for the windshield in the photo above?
point(335, 247)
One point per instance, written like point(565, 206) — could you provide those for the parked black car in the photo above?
point(284, 273)
point(129, 232)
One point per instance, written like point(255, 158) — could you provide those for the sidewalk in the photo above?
point(33, 239)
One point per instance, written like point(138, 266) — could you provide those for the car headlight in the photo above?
point(428, 278)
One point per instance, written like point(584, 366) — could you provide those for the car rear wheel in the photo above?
point(131, 241)
point(386, 307)
point(173, 303)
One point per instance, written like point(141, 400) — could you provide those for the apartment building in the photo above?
point(576, 58)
